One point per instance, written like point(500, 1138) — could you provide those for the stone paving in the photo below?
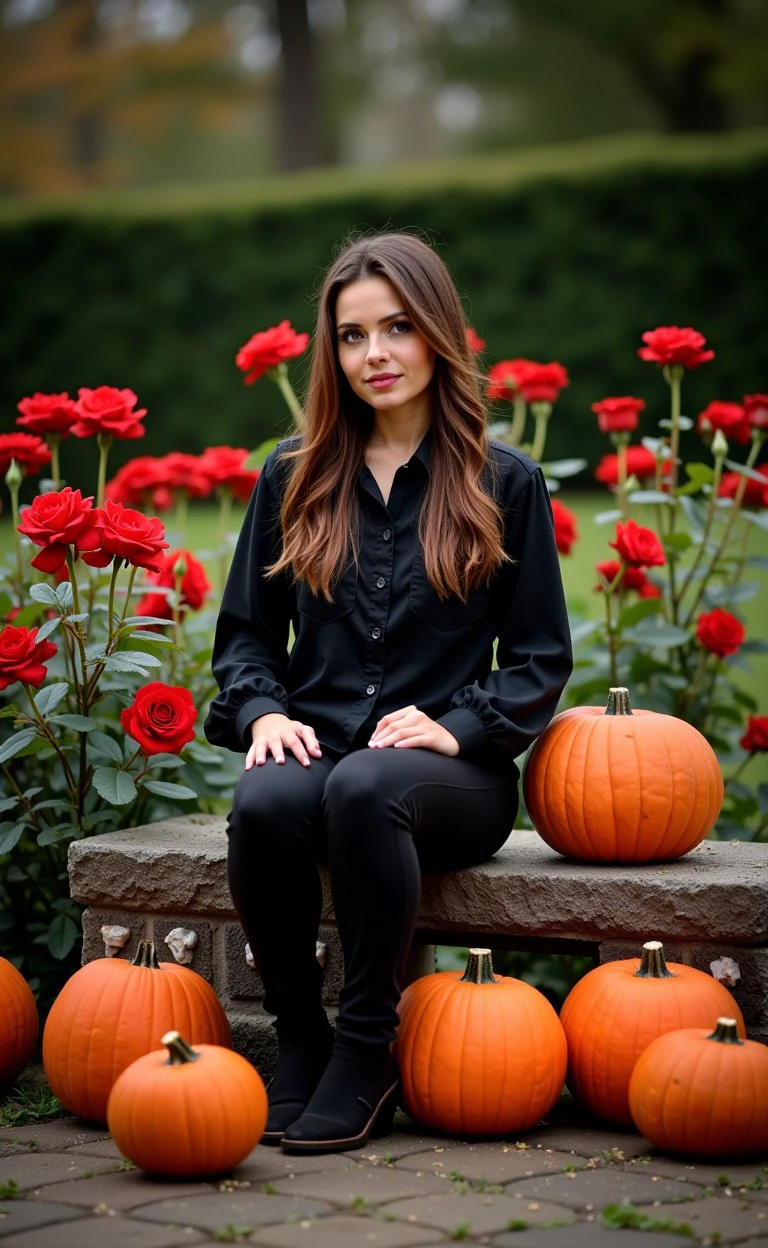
point(63, 1184)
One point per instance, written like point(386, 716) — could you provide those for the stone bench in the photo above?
point(710, 904)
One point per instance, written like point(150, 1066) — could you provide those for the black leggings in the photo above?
point(377, 817)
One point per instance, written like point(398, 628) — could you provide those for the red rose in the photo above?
point(223, 466)
point(109, 411)
point(542, 383)
point(29, 451)
point(618, 415)
point(672, 345)
point(504, 378)
point(720, 632)
point(566, 531)
point(48, 413)
point(474, 342)
point(177, 471)
point(161, 719)
point(729, 417)
point(633, 578)
point(641, 463)
point(756, 410)
point(134, 482)
point(129, 535)
point(755, 739)
point(755, 494)
point(268, 349)
point(637, 545)
point(194, 586)
point(58, 520)
point(22, 657)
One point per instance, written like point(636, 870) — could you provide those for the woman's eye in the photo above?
point(400, 327)
point(351, 335)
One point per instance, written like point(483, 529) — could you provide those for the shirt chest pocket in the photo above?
point(445, 613)
point(317, 608)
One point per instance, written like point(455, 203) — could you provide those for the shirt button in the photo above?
point(375, 633)
point(380, 583)
point(387, 534)
point(371, 690)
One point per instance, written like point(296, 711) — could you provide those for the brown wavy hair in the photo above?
point(460, 525)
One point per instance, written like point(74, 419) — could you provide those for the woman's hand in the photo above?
point(412, 729)
point(274, 734)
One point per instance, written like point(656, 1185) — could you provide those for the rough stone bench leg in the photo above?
point(710, 904)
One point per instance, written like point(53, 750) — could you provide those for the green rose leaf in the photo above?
point(161, 788)
point(10, 836)
point(49, 697)
point(102, 744)
point(116, 787)
point(19, 741)
point(62, 935)
point(44, 593)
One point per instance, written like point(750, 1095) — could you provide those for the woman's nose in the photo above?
point(377, 348)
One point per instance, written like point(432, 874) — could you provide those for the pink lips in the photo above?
point(382, 381)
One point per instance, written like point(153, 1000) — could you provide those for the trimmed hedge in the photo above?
point(563, 254)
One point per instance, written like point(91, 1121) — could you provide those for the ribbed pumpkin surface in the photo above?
point(199, 1118)
point(611, 1016)
point(109, 1014)
point(639, 787)
point(18, 1022)
point(478, 1059)
point(692, 1094)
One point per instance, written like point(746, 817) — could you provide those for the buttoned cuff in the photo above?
point(465, 726)
point(254, 708)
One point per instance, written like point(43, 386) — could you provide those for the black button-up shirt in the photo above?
point(387, 640)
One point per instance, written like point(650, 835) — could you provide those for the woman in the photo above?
point(400, 544)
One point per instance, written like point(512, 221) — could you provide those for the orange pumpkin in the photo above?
point(618, 785)
point(18, 1033)
point(187, 1112)
point(479, 1054)
point(703, 1093)
point(613, 1013)
point(111, 1012)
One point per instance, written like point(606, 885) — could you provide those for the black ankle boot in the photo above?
point(355, 1100)
point(297, 1074)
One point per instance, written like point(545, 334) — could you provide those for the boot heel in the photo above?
point(383, 1122)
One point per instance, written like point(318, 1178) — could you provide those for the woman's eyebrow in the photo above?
point(382, 321)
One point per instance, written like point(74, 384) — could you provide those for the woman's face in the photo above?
point(386, 362)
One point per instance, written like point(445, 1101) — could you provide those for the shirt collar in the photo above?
point(423, 451)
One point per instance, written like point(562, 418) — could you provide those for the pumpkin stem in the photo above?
point(726, 1032)
point(179, 1052)
point(479, 968)
point(146, 956)
point(653, 965)
point(618, 702)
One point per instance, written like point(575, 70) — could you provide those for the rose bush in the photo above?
point(105, 646)
point(672, 628)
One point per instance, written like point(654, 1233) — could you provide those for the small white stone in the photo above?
point(182, 941)
point(726, 971)
point(115, 938)
point(249, 957)
point(320, 952)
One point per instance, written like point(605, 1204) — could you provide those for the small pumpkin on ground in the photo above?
point(479, 1054)
point(111, 1012)
point(617, 785)
point(703, 1093)
point(18, 1023)
point(186, 1112)
point(613, 1014)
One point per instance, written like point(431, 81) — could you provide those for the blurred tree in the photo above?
point(300, 144)
point(692, 59)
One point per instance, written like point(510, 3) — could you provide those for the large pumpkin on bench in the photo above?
point(111, 1012)
point(617, 785)
point(479, 1054)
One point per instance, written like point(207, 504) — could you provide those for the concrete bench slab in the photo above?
point(709, 904)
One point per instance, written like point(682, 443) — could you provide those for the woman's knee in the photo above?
point(271, 800)
point(353, 786)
